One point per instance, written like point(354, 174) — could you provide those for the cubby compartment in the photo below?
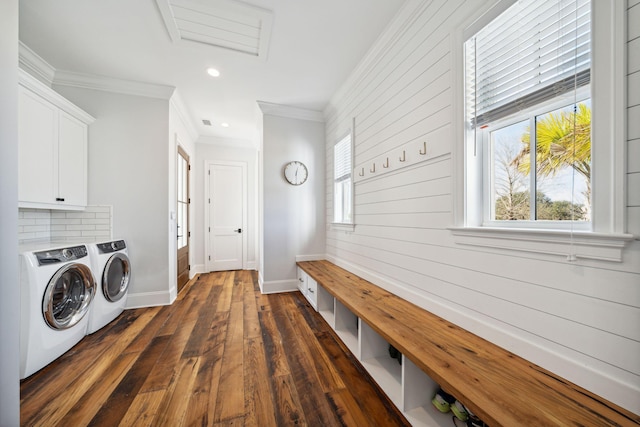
point(375, 357)
point(417, 391)
point(326, 306)
point(346, 327)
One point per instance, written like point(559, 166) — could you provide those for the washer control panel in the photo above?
point(109, 247)
point(54, 256)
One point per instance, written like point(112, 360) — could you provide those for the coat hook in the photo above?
point(361, 173)
point(403, 158)
point(424, 150)
point(386, 165)
point(373, 169)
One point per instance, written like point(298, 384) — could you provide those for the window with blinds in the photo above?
point(342, 167)
point(533, 52)
point(528, 113)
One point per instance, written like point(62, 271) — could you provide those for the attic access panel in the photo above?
point(226, 24)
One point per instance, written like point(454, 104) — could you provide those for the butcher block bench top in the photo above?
point(501, 388)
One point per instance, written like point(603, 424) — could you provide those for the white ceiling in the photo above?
point(314, 46)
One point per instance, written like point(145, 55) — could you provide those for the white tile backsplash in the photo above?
point(93, 224)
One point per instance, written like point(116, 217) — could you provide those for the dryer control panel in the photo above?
point(108, 247)
point(54, 256)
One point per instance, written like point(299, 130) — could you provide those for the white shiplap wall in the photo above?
point(581, 320)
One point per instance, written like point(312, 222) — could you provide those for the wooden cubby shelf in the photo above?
point(500, 387)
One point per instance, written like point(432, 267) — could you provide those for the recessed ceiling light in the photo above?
point(224, 125)
point(213, 72)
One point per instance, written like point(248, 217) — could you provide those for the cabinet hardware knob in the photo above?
point(59, 199)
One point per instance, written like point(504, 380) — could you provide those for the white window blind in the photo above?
point(534, 51)
point(342, 159)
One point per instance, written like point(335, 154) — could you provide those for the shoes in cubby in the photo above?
point(395, 354)
point(443, 401)
point(459, 411)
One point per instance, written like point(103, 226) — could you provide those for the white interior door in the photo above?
point(227, 216)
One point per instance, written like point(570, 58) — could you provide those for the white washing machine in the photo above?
point(110, 263)
point(57, 288)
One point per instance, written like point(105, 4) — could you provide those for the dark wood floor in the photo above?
point(221, 355)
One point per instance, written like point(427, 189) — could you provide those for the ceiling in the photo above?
point(310, 51)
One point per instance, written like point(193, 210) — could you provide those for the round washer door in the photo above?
point(68, 295)
point(115, 278)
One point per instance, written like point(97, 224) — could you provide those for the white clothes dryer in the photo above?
point(111, 265)
point(57, 287)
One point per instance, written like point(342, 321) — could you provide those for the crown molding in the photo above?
point(110, 84)
point(27, 80)
point(180, 108)
point(35, 65)
point(271, 109)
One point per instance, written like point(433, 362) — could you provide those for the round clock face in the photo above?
point(295, 173)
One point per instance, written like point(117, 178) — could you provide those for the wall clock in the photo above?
point(295, 172)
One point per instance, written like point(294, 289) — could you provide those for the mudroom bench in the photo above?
point(496, 385)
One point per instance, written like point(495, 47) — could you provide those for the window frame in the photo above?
point(344, 225)
point(607, 237)
point(529, 114)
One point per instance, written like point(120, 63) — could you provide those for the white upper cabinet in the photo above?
point(53, 143)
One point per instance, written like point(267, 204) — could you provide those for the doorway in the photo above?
point(226, 218)
point(183, 233)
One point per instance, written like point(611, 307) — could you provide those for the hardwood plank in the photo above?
point(288, 409)
point(203, 400)
point(117, 405)
point(258, 395)
point(347, 408)
point(276, 360)
point(224, 302)
point(164, 370)
point(312, 398)
point(303, 318)
point(230, 398)
point(86, 408)
point(202, 328)
point(143, 409)
point(251, 322)
point(176, 400)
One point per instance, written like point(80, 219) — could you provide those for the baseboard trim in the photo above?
point(197, 269)
point(148, 299)
point(316, 257)
point(278, 286)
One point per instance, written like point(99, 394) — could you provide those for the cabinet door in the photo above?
point(302, 281)
point(312, 292)
point(38, 133)
point(72, 161)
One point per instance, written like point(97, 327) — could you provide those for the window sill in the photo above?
point(342, 226)
point(583, 244)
